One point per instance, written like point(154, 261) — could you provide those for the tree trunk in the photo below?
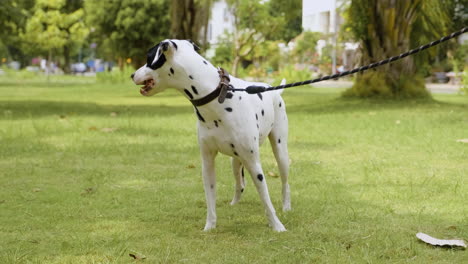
point(189, 18)
point(66, 56)
point(386, 30)
point(235, 65)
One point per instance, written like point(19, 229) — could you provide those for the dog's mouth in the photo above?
point(148, 86)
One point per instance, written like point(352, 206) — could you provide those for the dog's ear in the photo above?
point(195, 47)
point(156, 58)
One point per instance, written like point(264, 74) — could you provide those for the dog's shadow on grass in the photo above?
point(37, 108)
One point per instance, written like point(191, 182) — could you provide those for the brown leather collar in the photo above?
point(220, 91)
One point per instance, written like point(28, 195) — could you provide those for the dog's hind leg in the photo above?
point(209, 184)
point(255, 169)
point(238, 171)
point(279, 143)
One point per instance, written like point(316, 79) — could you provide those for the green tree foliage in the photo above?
point(386, 28)
point(304, 51)
point(13, 17)
point(291, 11)
point(127, 28)
point(52, 29)
point(253, 25)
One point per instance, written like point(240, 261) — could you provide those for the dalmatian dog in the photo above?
point(236, 127)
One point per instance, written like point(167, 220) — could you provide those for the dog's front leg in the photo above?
point(209, 183)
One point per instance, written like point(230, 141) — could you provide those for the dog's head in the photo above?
point(167, 59)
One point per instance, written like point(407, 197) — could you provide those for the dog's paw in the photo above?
point(279, 228)
point(209, 226)
point(235, 200)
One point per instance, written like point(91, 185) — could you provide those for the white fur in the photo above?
point(233, 133)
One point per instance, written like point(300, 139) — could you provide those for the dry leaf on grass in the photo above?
point(272, 174)
point(441, 242)
point(137, 256)
point(108, 129)
point(89, 190)
point(113, 114)
point(465, 140)
point(190, 166)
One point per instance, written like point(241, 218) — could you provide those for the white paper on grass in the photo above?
point(441, 242)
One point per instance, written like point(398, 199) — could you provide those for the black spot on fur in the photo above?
point(168, 74)
point(232, 145)
point(260, 177)
point(205, 62)
point(256, 117)
point(188, 94)
point(229, 95)
point(195, 47)
point(219, 120)
point(251, 151)
point(159, 63)
point(191, 77)
point(240, 98)
point(242, 172)
point(263, 112)
point(255, 138)
point(211, 186)
point(258, 127)
point(260, 96)
point(229, 109)
point(216, 123)
point(200, 117)
point(150, 57)
point(194, 89)
point(242, 190)
point(235, 153)
point(280, 104)
point(165, 46)
point(279, 140)
point(172, 70)
point(173, 43)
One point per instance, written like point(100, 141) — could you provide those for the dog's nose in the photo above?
point(131, 76)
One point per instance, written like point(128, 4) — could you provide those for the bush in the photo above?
point(19, 74)
point(116, 75)
point(291, 74)
point(224, 51)
point(464, 83)
point(370, 84)
point(375, 84)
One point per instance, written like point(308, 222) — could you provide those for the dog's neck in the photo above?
point(197, 81)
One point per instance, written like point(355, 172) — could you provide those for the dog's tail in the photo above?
point(283, 82)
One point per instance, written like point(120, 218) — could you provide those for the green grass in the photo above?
point(90, 173)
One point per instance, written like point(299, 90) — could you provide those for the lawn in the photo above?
point(92, 172)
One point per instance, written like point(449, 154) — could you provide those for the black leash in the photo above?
point(261, 89)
